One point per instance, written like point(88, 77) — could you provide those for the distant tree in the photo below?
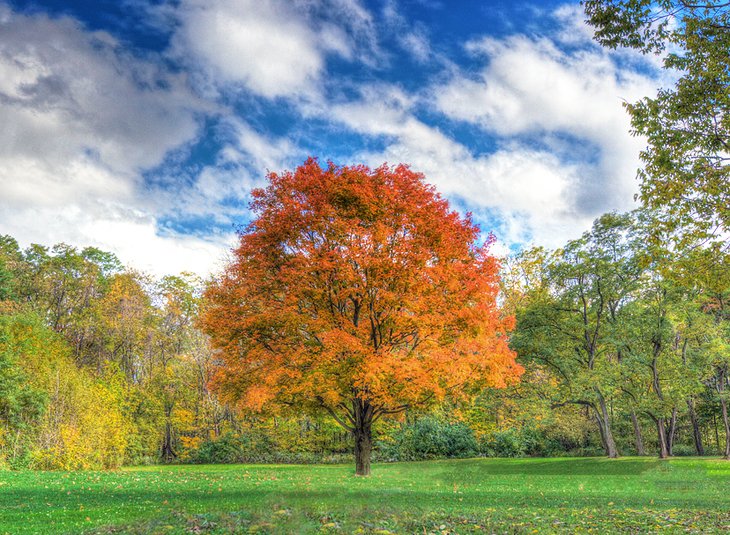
point(653, 351)
point(570, 326)
point(359, 293)
point(711, 273)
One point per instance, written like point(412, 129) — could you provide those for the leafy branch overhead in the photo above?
point(686, 174)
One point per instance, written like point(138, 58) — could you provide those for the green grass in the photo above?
point(632, 495)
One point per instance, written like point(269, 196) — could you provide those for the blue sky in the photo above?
point(141, 126)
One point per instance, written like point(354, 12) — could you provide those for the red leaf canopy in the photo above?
point(354, 283)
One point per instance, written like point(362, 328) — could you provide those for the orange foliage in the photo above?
point(357, 285)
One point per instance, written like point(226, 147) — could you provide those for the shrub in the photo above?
point(507, 443)
point(525, 442)
point(683, 450)
point(428, 438)
point(234, 448)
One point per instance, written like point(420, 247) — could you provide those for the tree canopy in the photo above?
point(686, 174)
point(360, 293)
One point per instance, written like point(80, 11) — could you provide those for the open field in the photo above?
point(461, 496)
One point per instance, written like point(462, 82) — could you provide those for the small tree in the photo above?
point(359, 293)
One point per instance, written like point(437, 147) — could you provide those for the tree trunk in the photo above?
point(696, 434)
point(717, 431)
point(662, 435)
point(363, 437)
point(723, 406)
point(604, 426)
point(363, 448)
point(167, 451)
point(671, 432)
point(637, 434)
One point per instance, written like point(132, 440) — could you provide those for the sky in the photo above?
point(141, 126)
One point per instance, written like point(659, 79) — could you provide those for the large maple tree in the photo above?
point(359, 293)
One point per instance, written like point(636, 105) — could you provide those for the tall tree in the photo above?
point(712, 273)
point(359, 293)
point(649, 354)
point(571, 328)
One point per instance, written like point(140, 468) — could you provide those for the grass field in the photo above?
point(633, 495)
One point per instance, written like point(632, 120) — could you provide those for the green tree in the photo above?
point(685, 175)
point(571, 330)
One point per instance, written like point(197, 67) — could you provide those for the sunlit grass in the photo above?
point(498, 495)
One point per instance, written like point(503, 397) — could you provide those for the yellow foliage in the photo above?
point(83, 426)
point(190, 446)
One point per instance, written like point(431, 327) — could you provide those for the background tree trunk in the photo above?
point(723, 407)
point(637, 434)
point(671, 432)
point(662, 436)
point(604, 424)
point(167, 451)
point(696, 434)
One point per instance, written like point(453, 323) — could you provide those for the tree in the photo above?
point(359, 293)
point(686, 173)
point(712, 274)
point(570, 327)
point(653, 353)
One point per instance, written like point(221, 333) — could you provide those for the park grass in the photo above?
point(576, 495)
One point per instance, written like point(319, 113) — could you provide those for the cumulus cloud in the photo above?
point(219, 192)
point(532, 87)
point(262, 151)
point(258, 44)
point(132, 235)
point(528, 191)
point(81, 121)
point(273, 48)
point(95, 141)
point(563, 151)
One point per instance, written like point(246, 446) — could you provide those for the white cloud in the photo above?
point(131, 234)
point(259, 44)
point(67, 91)
point(81, 120)
point(273, 48)
point(263, 152)
point(411, 37)
point(417, 44)
point(219, 191)
point(532, 85)
point(573, 28)
point(530, 191)
point(568, 101)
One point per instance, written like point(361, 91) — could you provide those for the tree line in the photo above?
point(629, 330)
point(624, 344)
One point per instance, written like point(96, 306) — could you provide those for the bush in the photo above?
point(233, 448)
point(525, 442)
point(507, 443)
point(684, 450)
point(428, 438)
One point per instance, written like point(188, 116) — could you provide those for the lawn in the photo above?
point(632, 495)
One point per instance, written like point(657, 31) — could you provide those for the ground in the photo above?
point(631, 495)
